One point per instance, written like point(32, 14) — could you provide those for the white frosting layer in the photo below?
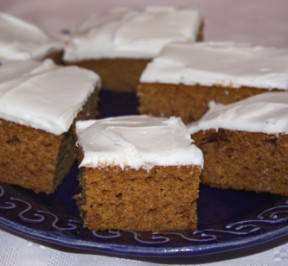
point(20, 40)
point(226, 64)
point(43, 95)
point(136, 141)
point(131, 34)
point(266, 112)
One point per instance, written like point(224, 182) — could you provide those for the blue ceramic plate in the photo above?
point(228, 220)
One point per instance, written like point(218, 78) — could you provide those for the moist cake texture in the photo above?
point(245, 144)
point(119, 43)
point(184, 77)
point(38, 105)
point(21, 40)
point(138, 173)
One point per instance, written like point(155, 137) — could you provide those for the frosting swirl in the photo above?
point(20, 40)
point(130, 33)
point(265, 112)
point(43, 95)
point(136, 141)
point(219, 63)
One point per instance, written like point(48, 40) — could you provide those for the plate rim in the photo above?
point(189, 251)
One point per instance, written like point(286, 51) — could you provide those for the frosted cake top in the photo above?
point(265, 112)
point(129, 33)
point(20, 40)
point(219, 63)
point(137, 142)
point(43, 95)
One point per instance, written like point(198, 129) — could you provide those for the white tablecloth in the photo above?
point(17, 251)
point(258, 21)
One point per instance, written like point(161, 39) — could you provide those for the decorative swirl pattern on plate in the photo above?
point(6, 205)
point(28, 214)
point(109, 234)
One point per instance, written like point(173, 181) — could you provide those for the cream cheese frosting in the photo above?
point(219, 63)
point(122, 32)
point(138, 141)
point(43, 95)
point(20, 40)
point(265, 112)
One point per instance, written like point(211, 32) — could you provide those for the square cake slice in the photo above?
point(138, 173)
point(245, 144)
point(119, 43)
point(39, 103)
point(184, 77)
